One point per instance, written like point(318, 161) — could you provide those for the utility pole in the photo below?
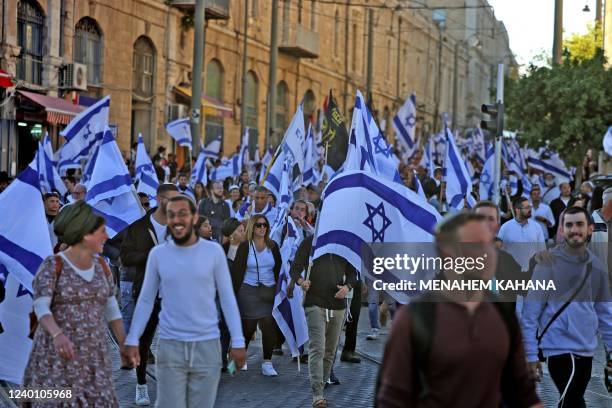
point(270, 103)
point(438, 81)
point(499, 135)
point(455, 84)
point(199, 39)
point(370, 52)
point(243, 106)
point(558, 34)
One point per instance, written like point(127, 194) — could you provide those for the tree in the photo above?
point(567, 105)
point(583, 47)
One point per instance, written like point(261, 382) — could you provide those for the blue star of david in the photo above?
point(485, 177)
point(365, 158)
point(88, 132)
point(410, 120)
point(23, 291)
point(369, 222)
point(377, 145)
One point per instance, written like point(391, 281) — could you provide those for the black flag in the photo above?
point(334, 133)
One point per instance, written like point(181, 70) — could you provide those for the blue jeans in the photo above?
point(127, 304)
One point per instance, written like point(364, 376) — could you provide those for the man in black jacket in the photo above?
point(139, 239)
point(330, 280)
point(559, 204)
point(215, 209)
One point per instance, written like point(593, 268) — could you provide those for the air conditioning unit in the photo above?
point(177, 111)
point(75, 76)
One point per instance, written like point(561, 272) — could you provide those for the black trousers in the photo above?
point(145, 343)
point(225, 339)
point(560, 368)
point(350, 337)
point(268, 332)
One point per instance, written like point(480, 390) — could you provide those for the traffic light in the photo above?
point(495, 126)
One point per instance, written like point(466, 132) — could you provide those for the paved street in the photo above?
point(291, 388)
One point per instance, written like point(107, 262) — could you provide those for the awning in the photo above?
point(5, 80)
point(59, 111)
point(210, 106)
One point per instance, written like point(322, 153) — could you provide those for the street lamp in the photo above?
point(586, 9)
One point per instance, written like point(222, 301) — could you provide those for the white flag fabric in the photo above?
point(479, 148)
point(145, 173)
point(110, 191)
point(293, 141)
point(404, 124)
point(273, 181)
point(90, 163)
point(50, 179)
point(284, 199)
point(289, 313)
point(49, 150)
point(607, 141)
point(456, 176)
point(24, 244)
point(213, 149)
point(228, 168)
point(361, 208)
point(82, 133)
point(310, 175)
point(418, 187)
point(487, 176)
point(200, 171)
point(180, 131)
point(368, 150)
point(549, 162)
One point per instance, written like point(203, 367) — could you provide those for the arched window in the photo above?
point(309, 108)
point(30, 29)
point(336, 33)
point(143, 67)
point(214, 80)
point(213, 88)
point(281, 112)
point(88, 49)
point(251, 99)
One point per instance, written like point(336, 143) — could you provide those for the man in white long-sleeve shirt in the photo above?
point(188, 272)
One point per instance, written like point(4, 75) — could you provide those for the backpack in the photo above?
point(59, 264)
point(422, 323)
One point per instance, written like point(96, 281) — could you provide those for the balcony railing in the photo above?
point(215, 9)
point(299, 41)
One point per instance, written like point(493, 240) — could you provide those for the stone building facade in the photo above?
point(140, 53)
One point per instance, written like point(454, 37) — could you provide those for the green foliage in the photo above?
point(568, 105)
point(583, 47)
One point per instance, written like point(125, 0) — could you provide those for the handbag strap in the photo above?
point(589, 268)
point(59, 265)
point(256, 261)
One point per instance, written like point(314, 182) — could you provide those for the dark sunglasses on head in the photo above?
point(261, 225)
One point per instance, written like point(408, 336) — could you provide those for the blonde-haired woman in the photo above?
point(254, 274)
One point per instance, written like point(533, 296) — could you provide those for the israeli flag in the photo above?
point(418, 187)
point(361, 208)
point(25, 240)
point(310, 159)
point(438, 149)
point(273, 181)
point(368, 150)
point(456, 176)
point(24, 244)
point(90, 163)
point(228, 168)
point(110, 191)
point(404, 124)
point(213, 149)
point(81, 134)
point(50, 179)
point(145, 173)
point(289, 313)
point(200, 171)
point(285, 195)
point(487, 177)
point(49, 150)
point(607, 141)
point(479, 148)
point(549, 162)
point(180, 131)
point(293, 141)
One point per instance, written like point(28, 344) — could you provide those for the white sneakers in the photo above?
point(373, 335)
point(268, 370)
point(244, 367)
point(142, 395)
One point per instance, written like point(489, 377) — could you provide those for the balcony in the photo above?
point(299, 42)
point(215, 9)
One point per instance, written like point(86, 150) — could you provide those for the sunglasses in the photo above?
point(261, 225)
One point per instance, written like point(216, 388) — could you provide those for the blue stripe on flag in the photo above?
point(549, 167)
point(411, 211)
point(462, 181)
point(117, 224)
point(29, 260)
point(148, 180)
point(285, 309)
point(400, 127)
point(29, 176)
point(274, 181)
point(109, 185)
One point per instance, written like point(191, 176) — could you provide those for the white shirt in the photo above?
point(187, 278)
point(550, 193)
point(160, 231)
point(543, 210)
point(522, 241)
